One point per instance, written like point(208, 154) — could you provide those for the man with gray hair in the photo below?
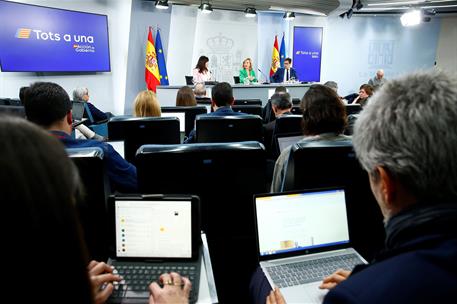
point(406, 139)
point(377, 81)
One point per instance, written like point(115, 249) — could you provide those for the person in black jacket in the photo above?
point(406, 139)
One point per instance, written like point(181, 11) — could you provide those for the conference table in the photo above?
point(167, 94)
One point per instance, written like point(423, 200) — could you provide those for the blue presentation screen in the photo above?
point(42, 39)
point(307, 53)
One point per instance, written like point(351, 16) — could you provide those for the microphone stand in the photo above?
point(266, 78)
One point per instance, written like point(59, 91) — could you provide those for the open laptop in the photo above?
point(303, 237)
point(77, 112)
point(287, 141)
point(154, 234)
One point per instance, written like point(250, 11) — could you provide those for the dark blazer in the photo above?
point(278, 76)
point(222, 111)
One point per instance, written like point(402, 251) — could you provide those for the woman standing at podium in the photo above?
point(247, 74)
point(201, 72)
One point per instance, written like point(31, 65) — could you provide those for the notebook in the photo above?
point(154, 234)
point(303, 237)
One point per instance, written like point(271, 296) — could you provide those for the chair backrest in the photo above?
point(212, 129)
point(138, 131)
point(92, 208)
point(189, 80)
point(247, 102)
point(286, 125)
point(190, 115)
point(236, 79)
point(203, 100)
point(354, 108)
point(4, 101)
point(225, 176)
point(13, 110)
point(296, 110)
point(334, 164)
point(248, 109)
point(296, 101)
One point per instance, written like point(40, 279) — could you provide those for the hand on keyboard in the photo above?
point(101, 278)
point(275, 297)
point(334, 279)
point(176, 289)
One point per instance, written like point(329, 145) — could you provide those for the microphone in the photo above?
point(266, 78)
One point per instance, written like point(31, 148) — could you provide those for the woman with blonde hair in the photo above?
point(185, 97)
point(247, 74)
point(146, 104)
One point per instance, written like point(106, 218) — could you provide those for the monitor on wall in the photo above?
point(307, 53)
point(44, 39)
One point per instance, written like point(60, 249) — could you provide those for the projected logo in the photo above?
point(81, 43)
point(23, 33)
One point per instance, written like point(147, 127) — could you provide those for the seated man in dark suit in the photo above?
point(221, 102)
point(48, 105)
point(281, 104)
point(286, 73)
point(399, 140)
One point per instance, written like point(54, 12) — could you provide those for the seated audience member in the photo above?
point(48, 105)
point(267, 110)
point(332, 85)
point(324, 117)
point(281, 104)
point(82, 94)
point(43, 189)
point(221, 102)
point(377, 81)
point(185, 97)
point(200, 91)
point(22, 93)
point(417, 195)
point(146, 105)
point(365, 92)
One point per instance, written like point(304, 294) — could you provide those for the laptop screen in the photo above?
point(181, 116)
point(287, 141)
point(302, 221)
point(153, 229)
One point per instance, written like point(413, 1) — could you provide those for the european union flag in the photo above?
point(282, 52)
point(161, 61)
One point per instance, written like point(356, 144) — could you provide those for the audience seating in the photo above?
point(10, 102)
point(225, 176)
point(296, 101)
point(248, 109)
point(246, 102)
point(211, 129)
point(138, 131)
point(286, 125)
point(353, 108)
point(92, 205)
point(12, 110)
point(203, 100)
point(333, 163)
point(190, 115)
point(296, 110)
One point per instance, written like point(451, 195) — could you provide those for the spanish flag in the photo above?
point(152, 75)
point(275, 57)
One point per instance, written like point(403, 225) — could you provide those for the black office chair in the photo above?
point(225, 176)
point(217, 129)
point(296, 101)
point(138, 131)
point(247, 102)
point(236, 79)
point(92, 205)
point(203, 100)
point(296, 110)
point(286, 125)
point(248, 109)
point(190, 115)
point(333, 164)
point(189, 80)
point(18, 111)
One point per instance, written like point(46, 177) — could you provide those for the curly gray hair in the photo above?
point(78, 93)
point(409, 127)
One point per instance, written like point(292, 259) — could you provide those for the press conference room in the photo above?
point(226, 151)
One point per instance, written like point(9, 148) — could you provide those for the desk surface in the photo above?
point(246, 86)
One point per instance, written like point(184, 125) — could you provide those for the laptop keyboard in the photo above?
point(310, 271)
point(136, 279)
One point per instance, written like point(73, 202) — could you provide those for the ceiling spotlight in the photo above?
point(289, 15)
point(359, 5)
point(206, 8)
point(411, 18)
point(250, 12)
point(349, 13)
point(162, 4)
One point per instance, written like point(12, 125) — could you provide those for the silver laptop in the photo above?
point(287, 141)
point(303, 237)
